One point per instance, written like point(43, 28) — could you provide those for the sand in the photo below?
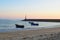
point(39, 34)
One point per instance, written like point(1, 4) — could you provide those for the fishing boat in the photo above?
point(33, 24)
point(19, 26)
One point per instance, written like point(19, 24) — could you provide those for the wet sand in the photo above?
point(39, 34)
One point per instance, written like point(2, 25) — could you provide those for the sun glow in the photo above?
point(44, 9)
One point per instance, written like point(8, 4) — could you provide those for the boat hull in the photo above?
point(19, 26)
point(34, 24)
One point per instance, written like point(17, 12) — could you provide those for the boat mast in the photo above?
point(25, 17)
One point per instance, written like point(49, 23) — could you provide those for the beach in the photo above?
point(39, 34)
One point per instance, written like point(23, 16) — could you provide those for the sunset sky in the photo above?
point(16, 9)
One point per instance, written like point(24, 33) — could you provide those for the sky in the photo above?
point(37, 9)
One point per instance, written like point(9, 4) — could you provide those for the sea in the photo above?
point(7, 25)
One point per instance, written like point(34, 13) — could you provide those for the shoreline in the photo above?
point(31, 34)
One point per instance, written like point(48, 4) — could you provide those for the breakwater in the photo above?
point(44, 20)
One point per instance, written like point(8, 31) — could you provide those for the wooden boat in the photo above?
point(34, 24)
point(19, 26)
